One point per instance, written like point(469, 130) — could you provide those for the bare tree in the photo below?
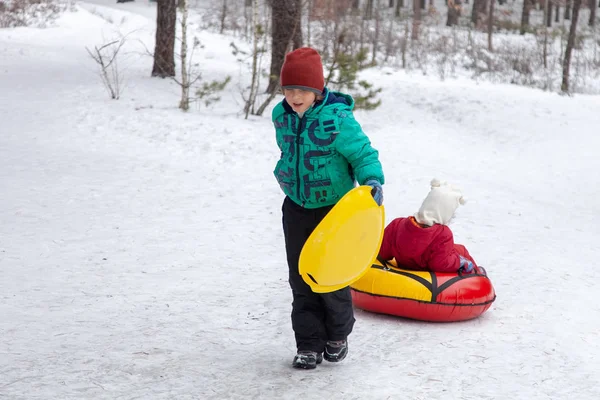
point(164, 50)
point(369, 10)
point(389, 46)
point(570, 43)
point(286, 32)
point(223, 16)
point(453, 12)
point(527, 6)
point(308, 24)
point(375, 44)
point(478, 12)
point(184, 103)
point(547, 8)
point(474, 11)
point(404, 45)
point(568, 9)
point(399, 5)
point(255, 39)
point(491, 25)
point(416, 20)
point(548, 13)
point(593, 7)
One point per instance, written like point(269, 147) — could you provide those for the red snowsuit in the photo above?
point(422, 248)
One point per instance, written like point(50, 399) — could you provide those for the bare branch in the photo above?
point(106, 57)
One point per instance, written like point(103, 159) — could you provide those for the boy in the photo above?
point(324, 152)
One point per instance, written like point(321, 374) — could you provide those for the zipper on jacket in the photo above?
point(298, 132)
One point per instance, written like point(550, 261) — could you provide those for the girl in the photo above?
point(425, 242)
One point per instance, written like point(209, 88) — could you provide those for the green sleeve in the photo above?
point(356, 147)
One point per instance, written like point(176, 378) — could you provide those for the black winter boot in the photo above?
point(336, 350)
point(307, 359)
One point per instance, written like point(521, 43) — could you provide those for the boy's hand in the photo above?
point(377, 191)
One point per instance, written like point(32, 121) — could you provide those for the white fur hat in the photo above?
point(440, 204)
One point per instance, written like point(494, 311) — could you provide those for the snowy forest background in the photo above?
point(548, 44)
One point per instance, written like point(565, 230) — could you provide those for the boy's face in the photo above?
point(300, 100)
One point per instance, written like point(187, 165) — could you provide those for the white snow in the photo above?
point(141, 252)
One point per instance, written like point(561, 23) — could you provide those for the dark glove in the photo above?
point(377, 191)
point(466, 265)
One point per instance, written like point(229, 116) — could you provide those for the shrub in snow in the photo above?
point(37, 13)
point(107, 58)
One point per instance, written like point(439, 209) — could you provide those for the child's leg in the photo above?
point(307, 310)
point(339, 314)
point(462, 250)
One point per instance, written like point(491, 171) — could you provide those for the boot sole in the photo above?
point(304, 366)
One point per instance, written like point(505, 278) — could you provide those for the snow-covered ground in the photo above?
point(141, 252)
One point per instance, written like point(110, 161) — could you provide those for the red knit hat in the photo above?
point(302, 69)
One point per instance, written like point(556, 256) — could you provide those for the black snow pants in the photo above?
point(316, 317)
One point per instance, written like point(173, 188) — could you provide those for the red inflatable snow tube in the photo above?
point(423, 295)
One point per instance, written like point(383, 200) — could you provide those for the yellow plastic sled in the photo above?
point(345, 244)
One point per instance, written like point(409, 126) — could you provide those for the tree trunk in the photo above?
point(391, 4)
point(399, 4)
point(297, 31)
point(423, 5)
point(491, 25)
point(376, 36)
point(547, 8)
point(253, 89)
point(525, 16)
point(416, 19)
point(361, 36)
point(404, 44)
point(568, 9)
point(389, 39)
point(308, 30)
point(474, 11)
point(592, 21)
point(483, 11)
point(570, 43)
point(164, 49)
point(549, 5)
point(453, 13)
point(478, 12)
point(223, 15)
point(369, 10)
point(184, 103)
point(286, 32)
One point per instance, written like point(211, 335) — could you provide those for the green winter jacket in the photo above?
point(324, 153)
